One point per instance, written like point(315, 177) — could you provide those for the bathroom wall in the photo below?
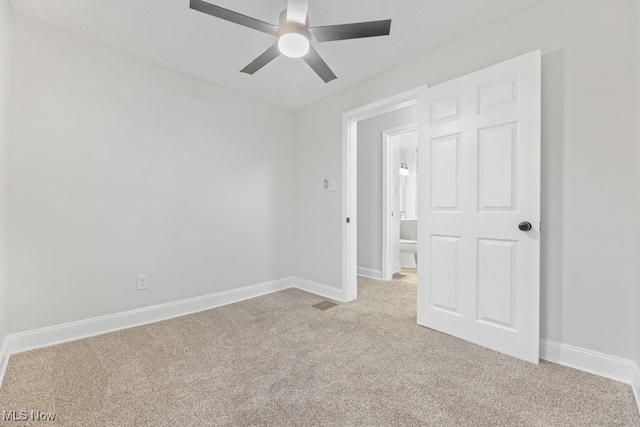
point(369, 168)
point(403, 181)
point(589, 273)
point(408, 146)
point(120, 167)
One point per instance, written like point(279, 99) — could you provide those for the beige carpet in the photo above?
point(275, 360)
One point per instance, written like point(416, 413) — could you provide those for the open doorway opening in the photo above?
point(363, 186)
point(381, 201)
point(400, 202)
point(352, 128)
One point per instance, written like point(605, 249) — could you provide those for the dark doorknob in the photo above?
point(524, 226)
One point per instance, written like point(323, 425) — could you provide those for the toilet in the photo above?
point(408, 243)
point(408, 251)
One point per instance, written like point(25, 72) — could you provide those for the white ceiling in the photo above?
point(169, 33)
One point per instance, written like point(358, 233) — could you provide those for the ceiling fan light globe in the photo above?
point(293, 45)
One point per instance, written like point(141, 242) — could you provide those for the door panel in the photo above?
point(444, 274)
point(445, 165)
point(496, 284)
point(446, 109)
point(478, 272)
point(498, 94)
point(497, 169)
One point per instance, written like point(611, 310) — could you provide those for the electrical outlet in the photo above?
point(143, 282)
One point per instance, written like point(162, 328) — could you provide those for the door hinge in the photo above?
point(348, 220)
point(540, 226)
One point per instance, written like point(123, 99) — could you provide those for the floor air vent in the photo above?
point(324, 305)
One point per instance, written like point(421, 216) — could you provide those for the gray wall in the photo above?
point(5, 70)
point(120, 167)
point(370, 183)
point(409, 155)
point(590, 266)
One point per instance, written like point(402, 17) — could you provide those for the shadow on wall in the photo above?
point(552, 203)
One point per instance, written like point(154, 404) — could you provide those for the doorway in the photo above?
point(399, 199)
point(379, 185)
point(350, 181)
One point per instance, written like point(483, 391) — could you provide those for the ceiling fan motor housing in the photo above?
point(294, 28)
point(293, 37)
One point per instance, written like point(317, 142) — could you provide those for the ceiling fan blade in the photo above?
point(231, 16)
point(297, 11)
point(351, 31)
point(318, 65)
point(262, 60)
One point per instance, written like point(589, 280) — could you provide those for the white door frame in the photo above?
point(350, 178)
point(388, 169)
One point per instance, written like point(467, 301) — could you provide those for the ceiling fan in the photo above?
point(294, 34)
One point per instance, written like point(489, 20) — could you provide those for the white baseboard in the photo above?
point(370, 273)
point(636, 385)
point(4, 358)
point(45, 337)
point(612, 367)
point(319, 289)
point(397, 268)
point(590, 361)
point(52, 335)
point(601, 364)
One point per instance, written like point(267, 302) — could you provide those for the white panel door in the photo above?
point(478, 272)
